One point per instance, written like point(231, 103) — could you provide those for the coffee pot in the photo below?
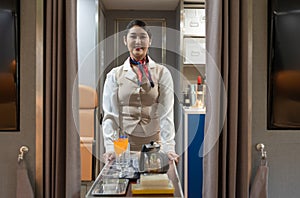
point(152, 159)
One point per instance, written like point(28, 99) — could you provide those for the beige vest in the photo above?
point(138, 104)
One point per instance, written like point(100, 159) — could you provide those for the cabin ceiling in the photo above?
point(140, 4)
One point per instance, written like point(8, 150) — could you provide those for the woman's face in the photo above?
point(138, 42)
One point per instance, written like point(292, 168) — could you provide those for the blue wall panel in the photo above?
point(195, 162)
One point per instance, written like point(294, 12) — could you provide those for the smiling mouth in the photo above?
point(139, 48)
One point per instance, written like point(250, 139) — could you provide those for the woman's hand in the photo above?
point(108, 156)
point(173, 156)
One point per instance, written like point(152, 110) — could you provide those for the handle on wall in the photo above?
point(259, 186)
point(261, 148)
point(23, 150)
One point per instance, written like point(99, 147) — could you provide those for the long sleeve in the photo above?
point(166, 112)
point(111, 110)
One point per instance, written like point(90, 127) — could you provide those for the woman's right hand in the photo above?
point(109, 156)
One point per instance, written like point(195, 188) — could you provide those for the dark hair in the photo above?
point(139, 23)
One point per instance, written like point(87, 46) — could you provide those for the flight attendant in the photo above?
point(138, 97)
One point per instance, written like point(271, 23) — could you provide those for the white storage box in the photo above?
point(194, 22)
point(194, 50)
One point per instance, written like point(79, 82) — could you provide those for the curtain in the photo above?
point(62, 141)
point(228, 124)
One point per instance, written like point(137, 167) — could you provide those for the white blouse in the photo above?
point(166, 114)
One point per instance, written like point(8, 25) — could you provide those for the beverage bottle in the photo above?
point(186, 100)
point(200, 95)
point(193, 96)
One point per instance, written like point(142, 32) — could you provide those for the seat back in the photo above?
point(88, 103)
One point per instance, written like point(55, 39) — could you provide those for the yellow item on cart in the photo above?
point(153, 184)
point(139, 189)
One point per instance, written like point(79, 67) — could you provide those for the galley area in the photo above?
point(178, 32)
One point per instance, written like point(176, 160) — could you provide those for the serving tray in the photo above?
point(111, 186)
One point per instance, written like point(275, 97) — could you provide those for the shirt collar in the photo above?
point(128, 67)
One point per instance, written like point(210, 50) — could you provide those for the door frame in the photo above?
point(39, 169)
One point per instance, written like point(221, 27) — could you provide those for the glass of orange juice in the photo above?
point(120, 146)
